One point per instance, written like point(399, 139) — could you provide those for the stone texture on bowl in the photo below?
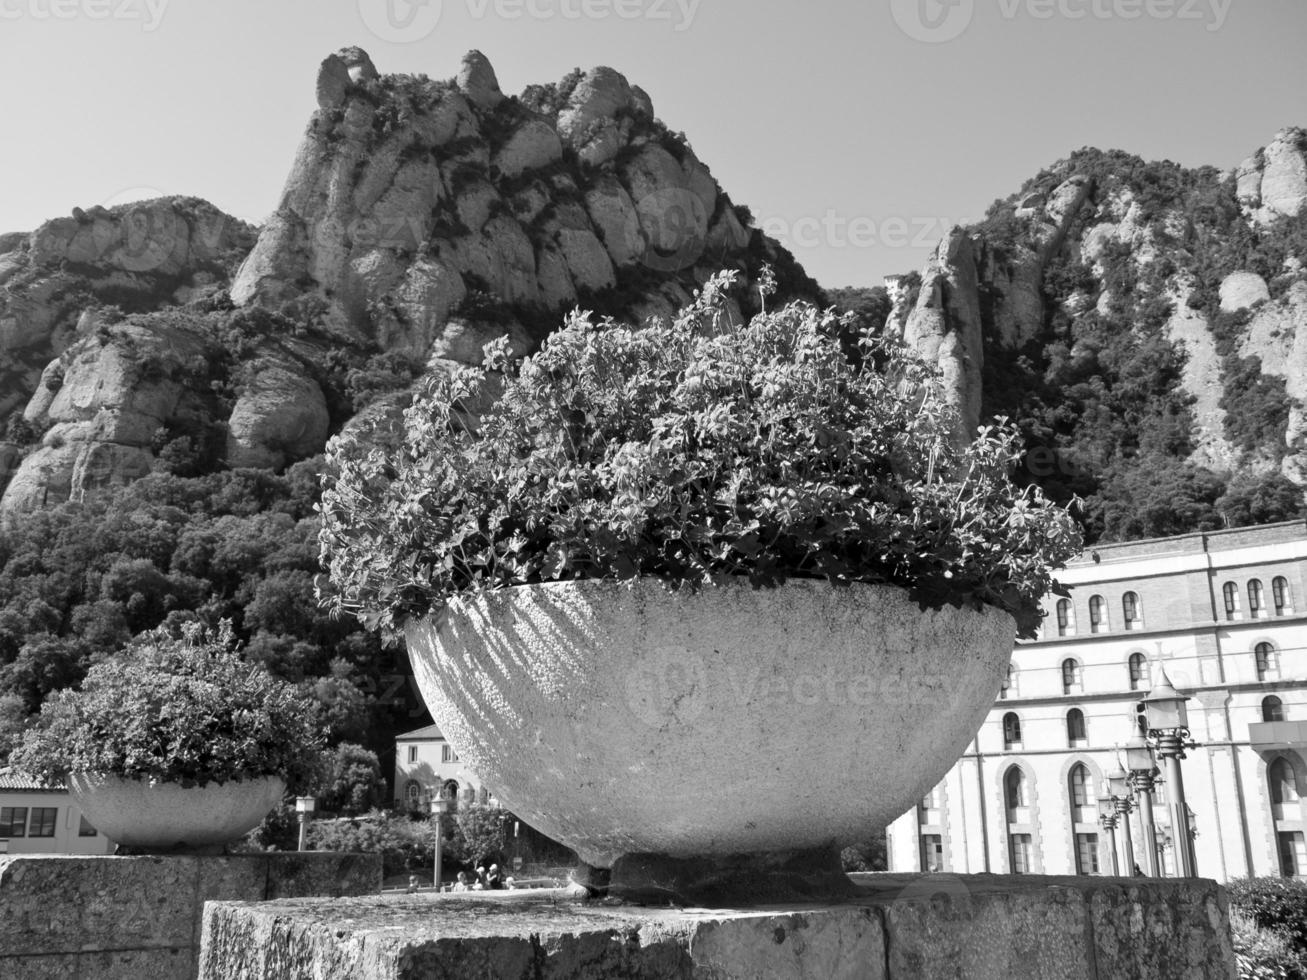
point(621, 718)
point(165, 816)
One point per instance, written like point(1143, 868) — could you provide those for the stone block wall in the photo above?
point(895, 927)
point(106, 918)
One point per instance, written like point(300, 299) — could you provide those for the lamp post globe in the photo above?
point(1168, 728)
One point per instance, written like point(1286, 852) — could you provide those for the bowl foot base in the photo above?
point(811, 875)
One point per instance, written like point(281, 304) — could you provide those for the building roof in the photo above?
point(429, 734)
point(15, 781)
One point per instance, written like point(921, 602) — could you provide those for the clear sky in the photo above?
point(854, 130)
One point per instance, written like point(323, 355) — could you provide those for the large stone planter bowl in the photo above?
point(620, 718)
point(140, 814)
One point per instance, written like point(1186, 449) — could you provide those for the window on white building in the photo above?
point(1097, 615)
point(1139, 673)
point(1293, 853)
point(932, 852)
point(1264, 656)
point(1075, 729)
point(1231, 593)
point(42, 822)
point(1086, 854)
point(1011, 731)
point(447, 754)
point(1014, 788)
point(13, 821)
point(1281, 596)
point(1130, 611)
point(412, 753)
point(1284, 783)
point(1072, 677)
point(1272, 708)
point(84, 828)
point(1019, 845)
point(1256, 600)
point(1082, 792)
point(1066, 625)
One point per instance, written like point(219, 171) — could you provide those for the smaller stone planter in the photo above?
point(157, 817)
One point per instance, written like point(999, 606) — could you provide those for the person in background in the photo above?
point(480, 883)
point(494, 880)
point(461, 885)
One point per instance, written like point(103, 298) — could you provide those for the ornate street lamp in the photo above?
point(1168, 729)
point(1118, 785)
point(438, 806)
point(1107, 818)
point(304, 807)
point(1143, 774)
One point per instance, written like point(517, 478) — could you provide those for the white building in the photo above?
point(1226, 614)
point(40, 819)
point(424, 762)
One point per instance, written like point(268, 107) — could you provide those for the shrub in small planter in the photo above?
point(690, 451)
point(184, 728)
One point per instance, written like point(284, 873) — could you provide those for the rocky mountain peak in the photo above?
point(420, 220)
point(415, 203)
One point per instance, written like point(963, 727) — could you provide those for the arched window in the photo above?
point(1082, 789)
point(1130, 614)
point(1139, 673)
point(1272, 708)
point(1072, 677)
point(1264, 654)
point(1256, 604)
point(1065, 623)
point(1231, 593)
point(1011, 730)
point(413, 794)
point(1141, 718)
point(1280, 595)
point(1075, 728)
point(1097, 614)
point(1284, 785)
point(1014, 788)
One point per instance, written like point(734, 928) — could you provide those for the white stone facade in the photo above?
point(1226, 614)
point(425, 761)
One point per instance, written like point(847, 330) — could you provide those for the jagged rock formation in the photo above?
point(420, 220)
point(55, 286)
point(1170, 303)
point(412, 203)
point(1272, 183)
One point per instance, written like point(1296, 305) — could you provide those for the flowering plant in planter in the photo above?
point(187, 711)
point(689, 451)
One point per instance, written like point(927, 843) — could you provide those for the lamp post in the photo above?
point(1168, 729)
point(1107, 818)
point(1118, 784)
point(304, 806)
point(439, 807)
point(1143, 772)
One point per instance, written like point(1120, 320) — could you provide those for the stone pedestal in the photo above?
point(138, 918)
point(893, 927)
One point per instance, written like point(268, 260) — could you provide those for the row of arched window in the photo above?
point(1138, 672)
point(1284, 785)
point(1281, 599)
point(1132, 614)
point(1077, 733)
point(1132, 610)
